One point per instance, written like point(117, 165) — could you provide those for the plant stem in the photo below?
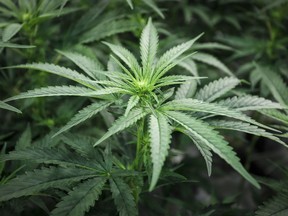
point(140, 131)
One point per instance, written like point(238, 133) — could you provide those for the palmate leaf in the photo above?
point(249, 102)
point(243, 127)
point(88, 65)
point(277, 206)
point(122, 195)
point(6, 106)
point(39, 180)
point(202, 131)
point(200, 106)
point(53, 91)
point(213, 61)
point(130, 3)
point(169, 57)
point(55, 156)
point(190, 66)
point(216, 89)
point(78, 201)
point(84, 114)
point(148, 48)
point(160, 135)
point(60, 71)
point(123, 122)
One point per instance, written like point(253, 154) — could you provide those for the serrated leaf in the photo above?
point(25, 139)
point(88, 65)
point(101, 31)
point(275, 83)
point(78, 201)
point(202, 131)
point(244, 127)
point(123, 199)
point(200, 106)
point(275, 114)
point(277, 206)
point(171, 55)
point(55, 156)
point(160, 137)
point(84, 114)
point(39, 180)
point(122, 123)
point(204, 150)
point(10, 31)
point(186, 90)
point(213, 61)
point(60, 71)
point(53, 91)
point(249, 102)
point(148, 48)
point(217, 88)
point(133, 101)
point(6, 106)
point(127, 57)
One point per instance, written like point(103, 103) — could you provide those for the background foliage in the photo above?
point(244, 45)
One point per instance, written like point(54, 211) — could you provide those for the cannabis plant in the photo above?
point(142, 97)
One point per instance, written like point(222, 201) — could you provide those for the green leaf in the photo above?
point(130, 3)
point(213, 61)
point(175, 79)
point(160, 136)
point(154, 7)
point(54, 91)
point(148, 48)
point(6, 106)
point(88, 65)
point(123, 198)
point(202, 131)
point(122, 123)
point(169, 57)
point(249, 102)
point(13, 45)
point(275, 83)
point(133, 101)
point(39, 180)
point(10, 31)
point(200, 106)
point(101, 31)
point(277, 206)
point(186, 90)
point(84, 114)
point(275, 114)
point(60, 71)
point(78, 201)
point(127, 57)
point(25, 139)
point(216, 89)
point(55, 156)
point(203, 148)
point(244, 127)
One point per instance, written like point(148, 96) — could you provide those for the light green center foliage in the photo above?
point(151, 91)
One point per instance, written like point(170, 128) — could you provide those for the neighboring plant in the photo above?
point(136, 94)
